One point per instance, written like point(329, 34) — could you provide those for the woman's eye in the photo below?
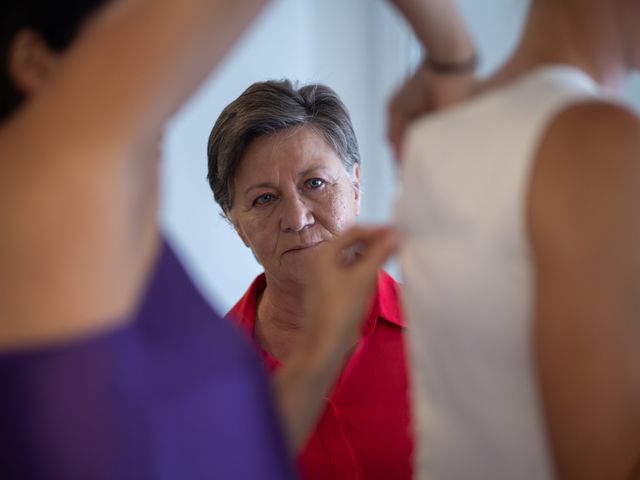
point(263, 199)
point(315, 183)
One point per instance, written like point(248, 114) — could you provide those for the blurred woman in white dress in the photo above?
point(521, 262)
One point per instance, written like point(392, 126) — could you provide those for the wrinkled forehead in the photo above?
point(290, 152)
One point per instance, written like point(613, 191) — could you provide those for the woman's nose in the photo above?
point(296, 215)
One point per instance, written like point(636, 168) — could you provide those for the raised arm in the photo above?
point(586, 231)
point(77, 179)
point(134, 65)
point(439, 27)
point(335, 303)
point(446, 75)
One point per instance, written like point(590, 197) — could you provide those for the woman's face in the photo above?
point(291, 193)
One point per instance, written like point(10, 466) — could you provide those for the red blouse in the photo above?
point(364, 431)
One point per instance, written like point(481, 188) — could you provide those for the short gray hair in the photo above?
point(266, 108)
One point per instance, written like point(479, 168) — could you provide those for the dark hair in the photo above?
point(57, 22)
point(266, 108)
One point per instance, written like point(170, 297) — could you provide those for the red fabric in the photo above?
point(364, 431)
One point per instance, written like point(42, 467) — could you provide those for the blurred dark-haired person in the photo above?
point(284, 166)
point(111, 364)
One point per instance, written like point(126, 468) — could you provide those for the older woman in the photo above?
point(284, 166)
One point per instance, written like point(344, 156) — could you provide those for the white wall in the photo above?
point(358, 47)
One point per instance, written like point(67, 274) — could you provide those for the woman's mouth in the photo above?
point(300, 248)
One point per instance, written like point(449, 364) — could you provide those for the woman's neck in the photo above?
point(586, 35)
point(279, 316)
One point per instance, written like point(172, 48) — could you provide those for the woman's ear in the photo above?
point(30, 61)
point(355, 181)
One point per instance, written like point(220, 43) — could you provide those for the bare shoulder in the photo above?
point(585, 131)
point(585, 230)
point(586, 176)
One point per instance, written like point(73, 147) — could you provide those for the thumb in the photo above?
point(380, 246)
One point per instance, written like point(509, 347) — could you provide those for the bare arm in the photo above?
point(439, 26)
point(134, 65)
point(77, 183)
point(586, 231)
point(336, 301)
point(441, 29)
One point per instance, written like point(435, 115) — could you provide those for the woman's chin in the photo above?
point(295, 268)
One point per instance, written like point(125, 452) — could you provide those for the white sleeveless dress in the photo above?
point(468, 273)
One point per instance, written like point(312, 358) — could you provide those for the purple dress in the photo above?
point(176, 394)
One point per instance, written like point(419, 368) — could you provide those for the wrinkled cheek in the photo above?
point(264, 250)
point(341, 215)
point(262, 243)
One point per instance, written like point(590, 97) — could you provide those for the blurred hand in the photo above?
point(340, 287)
point(424, 92)
point(341, 284)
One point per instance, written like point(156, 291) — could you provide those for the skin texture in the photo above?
point(292, 193)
